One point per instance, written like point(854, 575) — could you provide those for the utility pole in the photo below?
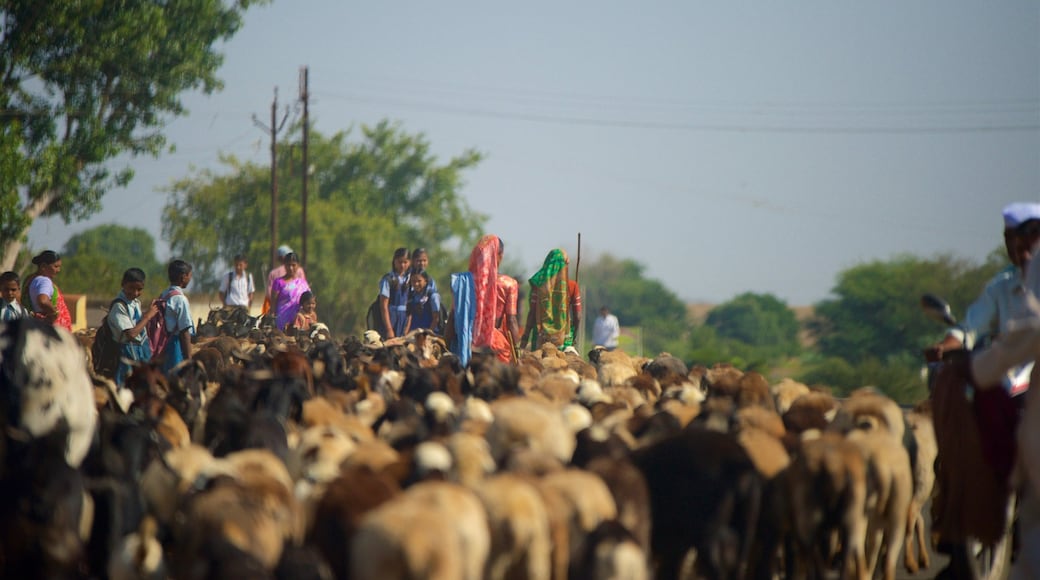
point(273, 130)
point(304, 96)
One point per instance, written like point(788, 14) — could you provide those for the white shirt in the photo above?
point(11, 311)
point(237, 292)
point(606, 330)
point(1001, 300)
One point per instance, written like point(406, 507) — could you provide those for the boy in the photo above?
point(10, 292)
point(179, 326)
point(236, 287)
point(127, 323)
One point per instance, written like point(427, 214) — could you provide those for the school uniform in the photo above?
point(236, 289)
point(124, 315)
point(10, 311)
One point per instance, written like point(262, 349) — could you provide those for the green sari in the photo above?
point(549, 301)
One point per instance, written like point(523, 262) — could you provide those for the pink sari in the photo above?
point(483, 265)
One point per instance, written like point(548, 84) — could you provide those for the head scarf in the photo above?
point(549, 298)
point(483, 265)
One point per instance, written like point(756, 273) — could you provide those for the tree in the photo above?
point(82, 83)
point(93, 261)
point(759, 320)
point(368, 197)
point(636, 301)
point(876, 312)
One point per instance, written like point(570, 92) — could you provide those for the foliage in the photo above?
point(876, 312)
point(899, 379)
point(82, 83)
point(636, 301)
point(93, 261)
point(873, 331)
point(758, 320)
point(366, 198)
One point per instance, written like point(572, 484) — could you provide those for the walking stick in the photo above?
point(577, 260)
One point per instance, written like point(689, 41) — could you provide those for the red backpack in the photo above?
point(158, 336)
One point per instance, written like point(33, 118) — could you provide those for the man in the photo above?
point(236, 288)
point(1004, 294)
point(995, 317)
point(1018, 344)
point(605, 330)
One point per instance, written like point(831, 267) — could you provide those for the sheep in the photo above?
point(610, 551)
point(521, 422)
point(826, 485)
point(785, 392)
point(889, 492)
point(703, 495)
point(45, 369)
point(433, 530)
point(924, 481)
point(520, 542)
point(347, 498)
point(139, 555)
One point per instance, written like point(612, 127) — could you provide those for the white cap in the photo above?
point(1020, 212)
point(283, 250)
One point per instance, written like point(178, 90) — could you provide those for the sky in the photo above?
point(728, 147)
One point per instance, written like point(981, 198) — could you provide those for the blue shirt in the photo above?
point(11, 311)
point(124, 315)
point(178, 311)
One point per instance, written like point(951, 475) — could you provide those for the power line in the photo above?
point(1033, 125)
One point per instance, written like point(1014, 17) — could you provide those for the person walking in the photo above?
point(236, 288)
point(287, 291)
point(554, 304)
point(45, 298)
point(279, 272)
point(475, 293)
point(606, 330)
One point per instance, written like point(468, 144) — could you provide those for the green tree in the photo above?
point(759, 320)
point(82, 83)
point(367, 197)
point(93, 261)
point(873, 331)
point(637, 301)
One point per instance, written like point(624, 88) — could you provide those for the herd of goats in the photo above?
point(274, 456)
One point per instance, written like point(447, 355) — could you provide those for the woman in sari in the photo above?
point(45, 299)
point(475, 295)
point(554, 304)
point(286, 292)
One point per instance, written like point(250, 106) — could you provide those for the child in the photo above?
point(10, 292)
point(127, 323)
point(421, 263)
point(179, 326)
point(236, 288)
point(393, 295)
point(424, 304)
point(308, 313)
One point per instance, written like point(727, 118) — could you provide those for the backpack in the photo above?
point(158, 335)
point(106, 349)
point(374, 318)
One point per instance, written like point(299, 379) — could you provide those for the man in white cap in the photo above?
point(279, 272)
point(1004, 294)
point(996, 314)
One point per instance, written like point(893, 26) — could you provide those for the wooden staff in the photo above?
point(577, 260)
